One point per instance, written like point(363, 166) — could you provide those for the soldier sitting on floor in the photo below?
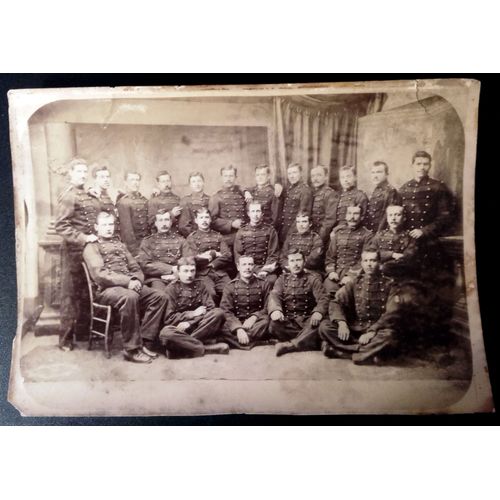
point(244, 303)
point(159, 253)
point(342, 262)
point(356, 327)
point(192, 322)
point(120, 285)
point(307, 241)
point(296, 306)
point(260, 241)
point(211, 253)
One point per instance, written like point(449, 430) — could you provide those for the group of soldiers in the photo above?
point(297, 266)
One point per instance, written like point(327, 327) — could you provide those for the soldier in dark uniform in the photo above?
point(211, 253)
point(297, 198)
point(396, 247)
point(323, 216)
point(265, 194)
point(383, 195)
point(190, 203)
point(100, 190)
point(228, 206)
point(296, 305)
point(76, 214)
point(356, 328)
point(133, 211)
point(244, 303)
point(350, 195)
point(343, 257)
point(164, 198)
point(261, 242)
point(192, 321)
point(308, 242)
point(159, 253)
point(120, 285)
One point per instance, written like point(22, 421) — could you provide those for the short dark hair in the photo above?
point(380, 163)
point(369, 248)
point(421, 154)
point(201, 210)
point(261, 167)
point(162, 172)
point(186, 261)
point(196, 174)
point(99, 168)
point(253, 202)
point(162, 211)
point(295, 250)
point(229, 168)
point(355, 206)
point(303, 214)
point(130, 172)
point(294, 164)
point(104, 215)
point(76, 161)
point(346, 168)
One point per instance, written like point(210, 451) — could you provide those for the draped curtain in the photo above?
point(312, 131)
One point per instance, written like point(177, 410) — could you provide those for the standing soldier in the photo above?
point(102, 183)
point(265, 194)
point(297, 198)
point(382, 196)
point(324, 203)
point(120, 284)
point(227, 206)
point(343, 256)
point(76, 215)
point(350, 195)
point(211, 253)
point(308, 242)
point(164, 198)
point(244, 302)
point(190, 203)
point(260, 241)
point(296, 306)
point(356, 328)
point(159, 253)
point(397, 249)
point(191, 319)
point(133, 211)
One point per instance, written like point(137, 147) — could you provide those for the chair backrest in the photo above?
point(90, 283)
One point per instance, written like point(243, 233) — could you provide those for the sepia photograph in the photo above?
point(293, 249)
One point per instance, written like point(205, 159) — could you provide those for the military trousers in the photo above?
point(298, 331)
point(215, 281)
point(190, 343)
point(131, 306)
point(258, 332)
point(351, 348)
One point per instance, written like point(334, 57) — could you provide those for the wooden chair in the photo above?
point(100, 317)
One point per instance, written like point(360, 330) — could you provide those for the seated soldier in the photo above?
point(397, 249)
point(244, 304)
point(120, 285)
point(159, 253)
point(192, 322)
point(296, 305)
point(260, 241)
point(356, 327)
point(342, 262)
point(307, 241)
point(211, 253)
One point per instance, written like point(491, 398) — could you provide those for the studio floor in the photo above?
point(85, 382)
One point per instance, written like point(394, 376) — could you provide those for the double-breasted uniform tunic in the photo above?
point(269, 202)
point(383, 195)
point(323, 214)
point(310, 244)
point(134, 225)
point(190, 203)
point(162, 201)
point(297, 198)
point(346, 198)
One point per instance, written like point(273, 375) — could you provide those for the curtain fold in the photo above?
point(313, 131)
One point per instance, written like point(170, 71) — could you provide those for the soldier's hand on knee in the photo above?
point(345, 280)
point(277, 316)
point(91, 238)
point(416, 233)
point(249, 322)
point(333, 276)
point(242, 336)
point(316, 318)
point(343, 331)
point(135, 285)
point(366, 337)
point(183, 326)
point(199, 311)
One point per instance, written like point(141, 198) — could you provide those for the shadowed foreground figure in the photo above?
point(296, 305)
point(357, 328)
point(192, 322)
point(120, 285)
point(244, 304)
